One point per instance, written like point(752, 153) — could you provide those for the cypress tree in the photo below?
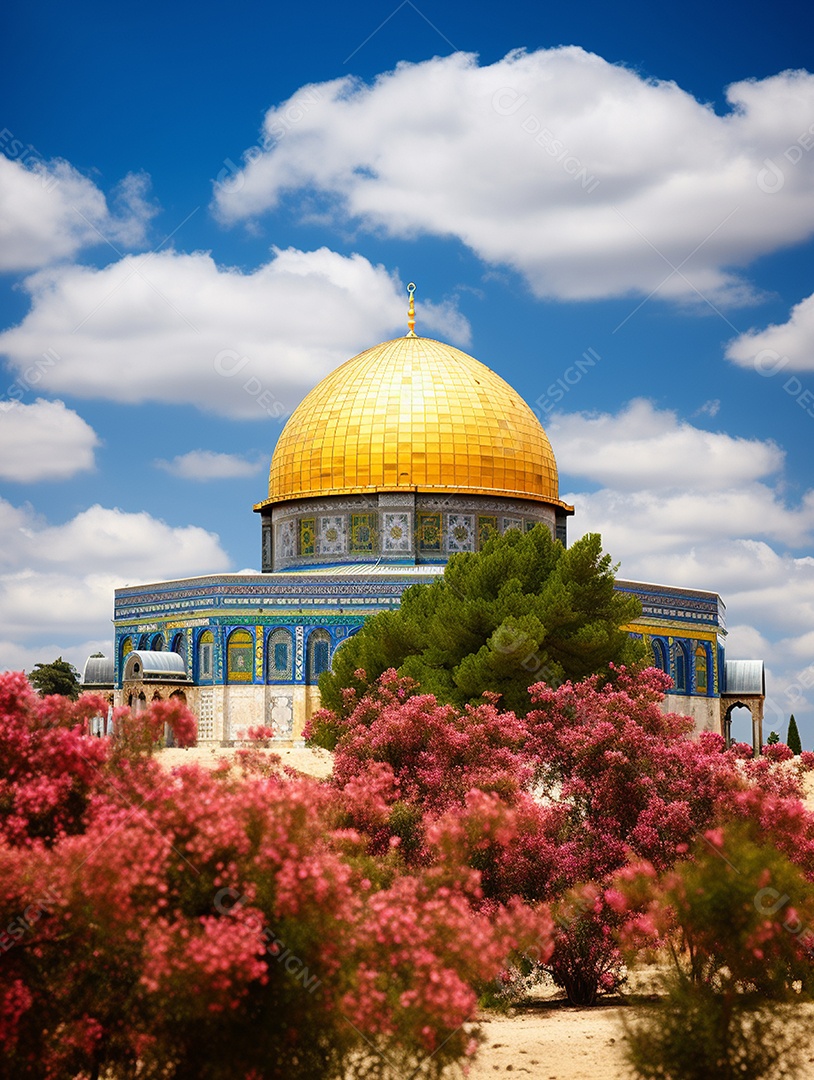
point(793, 737)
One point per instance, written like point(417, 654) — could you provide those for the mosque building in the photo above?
point(404, 455)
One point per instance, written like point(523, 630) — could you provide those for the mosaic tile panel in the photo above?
point(308, 536)
point(258, 653)
point(460, 532)
point(299, 654)
point(396, 532)
point(332, 535)
point(287, 539)
point(361, 532)
point(512, 523)
point(428, 533)
point(266, 546)
point(487, 526)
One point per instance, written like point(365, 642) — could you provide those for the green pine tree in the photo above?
point(773, 738)
point(793, 737)
point(523, 610)
point(58, 677)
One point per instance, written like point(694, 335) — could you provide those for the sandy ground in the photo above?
point(553, 1042)
point(546, 1040)
point(317, 763)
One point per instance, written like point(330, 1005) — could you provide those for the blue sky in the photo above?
point(204, 210)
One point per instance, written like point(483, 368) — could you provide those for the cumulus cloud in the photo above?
point(645, 447)
point(57, 580)
point(587, 178)
point(210, 465)
point(50, 212)
point(685, 507)
point(787, 345)
point(184, 330)
point(43, 441)
point(23, 657)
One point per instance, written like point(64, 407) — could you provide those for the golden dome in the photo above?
point(413, 414)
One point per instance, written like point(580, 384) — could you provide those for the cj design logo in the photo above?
point(771, 178)
point(768, 362)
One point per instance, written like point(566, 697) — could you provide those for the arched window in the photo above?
point(701, 670)
point(178, 644)
point(126, 647)
point(206, 657)
point(279, 656)
point(157, 644)
point(239, 656)
point(318, 654)
point(679, 668)
point(660, 655)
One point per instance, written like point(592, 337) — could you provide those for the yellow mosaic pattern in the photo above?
point(417, 414)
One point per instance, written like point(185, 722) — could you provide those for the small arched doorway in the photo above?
point(738, 724)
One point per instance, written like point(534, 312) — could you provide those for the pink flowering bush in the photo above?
point(738, 919)
point(261, 735)
point(777, 752)
point(217, 923)
point(49, 765)
point(549, 806)
point(139, 733)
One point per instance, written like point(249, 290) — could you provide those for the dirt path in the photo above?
point(554, 1042)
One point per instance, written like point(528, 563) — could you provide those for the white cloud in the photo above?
point(23, 657)
point(209, 465)
point(183, 330)
point(649, 526)
point(587, 178)
point(787, 345)
point(643, 447)
point(57, 581)
point(689, 508)
point(50, 212)
point(43, 441)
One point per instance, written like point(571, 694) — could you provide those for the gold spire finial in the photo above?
point(411, 311)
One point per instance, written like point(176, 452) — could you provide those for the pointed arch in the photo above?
point(318, 654)
point(280, 656)
point(206, 657)
point(239, 656)
point(680, 672)
point(701, 670)
point(660, 655)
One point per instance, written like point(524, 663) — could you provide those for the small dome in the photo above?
point(413, 414)
point(98, 671)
